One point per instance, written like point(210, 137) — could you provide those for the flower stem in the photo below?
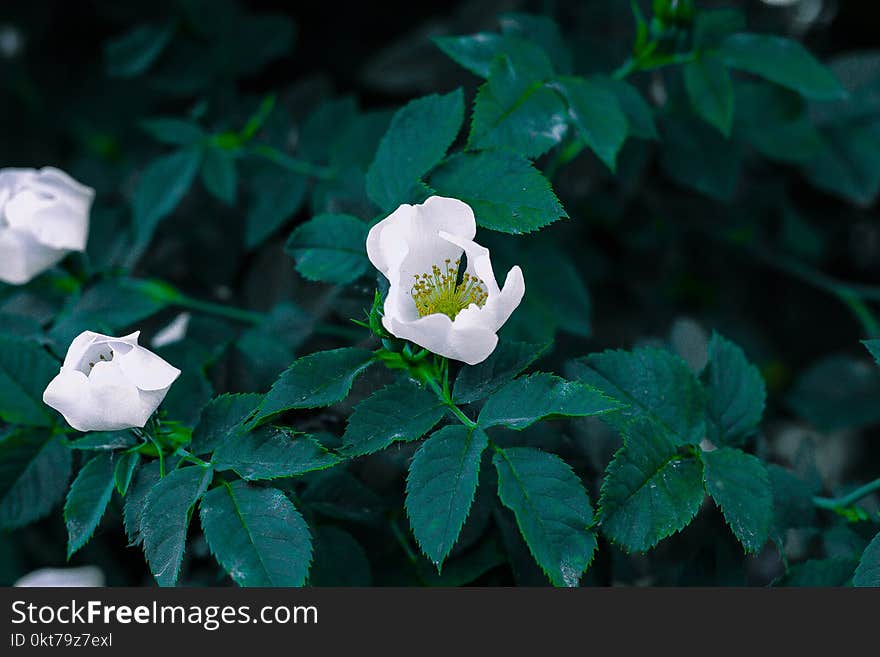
point(446, 398)
point(835, 503)
point(220, 310)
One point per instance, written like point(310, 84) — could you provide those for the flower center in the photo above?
point(443, 292)
point(95, 358)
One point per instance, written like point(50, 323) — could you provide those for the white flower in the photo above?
point(108, 383)
point(175, 331)
point(44, 215)
point(418, 249)
point(63, 577)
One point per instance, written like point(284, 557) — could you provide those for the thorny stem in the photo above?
point(836, 503)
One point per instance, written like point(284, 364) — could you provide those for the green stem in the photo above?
point(220, 310)
point(447, 400)
point(192, 458)
point(834, 503)
point(291, 163)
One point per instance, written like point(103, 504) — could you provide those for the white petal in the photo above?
point(79, 347)
point(146, 370)
point(478, 260)
point(115, 402)
point(436, 333)
point(63, 577)
point(175, 331)
point(502, 306)
point(22, 257)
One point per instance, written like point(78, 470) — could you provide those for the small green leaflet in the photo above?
point(735, 393)
point(135, 51)
point(475, 382)
point(34, 471)
point(165, 519)
point(650, 490)
point(330, 248)
point(124, 471)
point(175, 132)
point(222, 418)
point(257, 535)
point(25, 369)
point(525, 400)
point(440, 487)
point(710, 91)
point(868, 570)
point(506, 192)
point(474, 52)
point(401, 411)
point(740, 486)
point(269, 452)
point(278, 195)
point(873, 346)
point(552, 510)
point(415, 142)
point(219, 175)
point(87, 500)
point(319, 379)
point(783, 61)
point(652, 383)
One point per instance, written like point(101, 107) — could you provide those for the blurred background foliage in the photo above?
point(211, 129)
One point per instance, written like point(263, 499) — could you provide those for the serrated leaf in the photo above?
point(540, 30)
point(87, 500)
point(710, 91)
point(514, 110)
point(650, 491)
point(505, 191)
point(270, 452)
point(783, 61)
point(740, 486)
point(160, 189)
point(257, 535)
point(402, 411)
point(25, 371)
point(165, 519)
point(868, 571)
point(525, 400)
point(509, 359)
point(131, 54)
point(440, 487)
point(474, 52)
point(176, 132)
point(319, 379)
point(124, 471)
point(873, 347)
point(597, 115)
point(34, 471)
point(415, 142)
point(277, 195)
point(735, 393)
point(142, 483)
point(652, 383)
point(330, 248)
point(222, 418)
point(552, 510)
point(219, 174)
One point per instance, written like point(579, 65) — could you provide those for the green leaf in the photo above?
point(322, 127)
point(165, 519)
point(652, 383)
point(650, 490)
point(34, 471)
point(552, 510)
point(597, 115)
point(873, 346)
point(540, 30)
point(639, 114)
point(271, 452)
point(176, 132)
point(142, 483)
point(257, 535)
point(219, 175)
point(740, 486)
point(783, 61)
point(474, 52)
point(87, 500)
point(401, 411)
point(868, 570)
point(124, 471)
point(514, 110)
point(25, 371)
point(330, 248)
point(161, 188)
point(415, 142)
point(848, 163)
point(524, 401)
point(440, 487)
point(792, 501)
point(712, 25)
point(135, 51)
point(278, 194)
point(509, 359)
point(104, 440)
point(814, 573)
point(222, 418)
point(505, 191)
point(735, 393)
point(319, 379)
point(339, 560)
point(710, 91)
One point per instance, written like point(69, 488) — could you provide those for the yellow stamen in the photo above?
point(437, 292)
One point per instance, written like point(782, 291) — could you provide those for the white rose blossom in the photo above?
point(44, 215)
point(418, 248)
point(108, 384)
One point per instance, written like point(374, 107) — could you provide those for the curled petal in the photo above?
point(22, 257)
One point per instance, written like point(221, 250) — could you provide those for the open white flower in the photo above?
point(108, 383)
point(419, 248)
point(44, 215)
